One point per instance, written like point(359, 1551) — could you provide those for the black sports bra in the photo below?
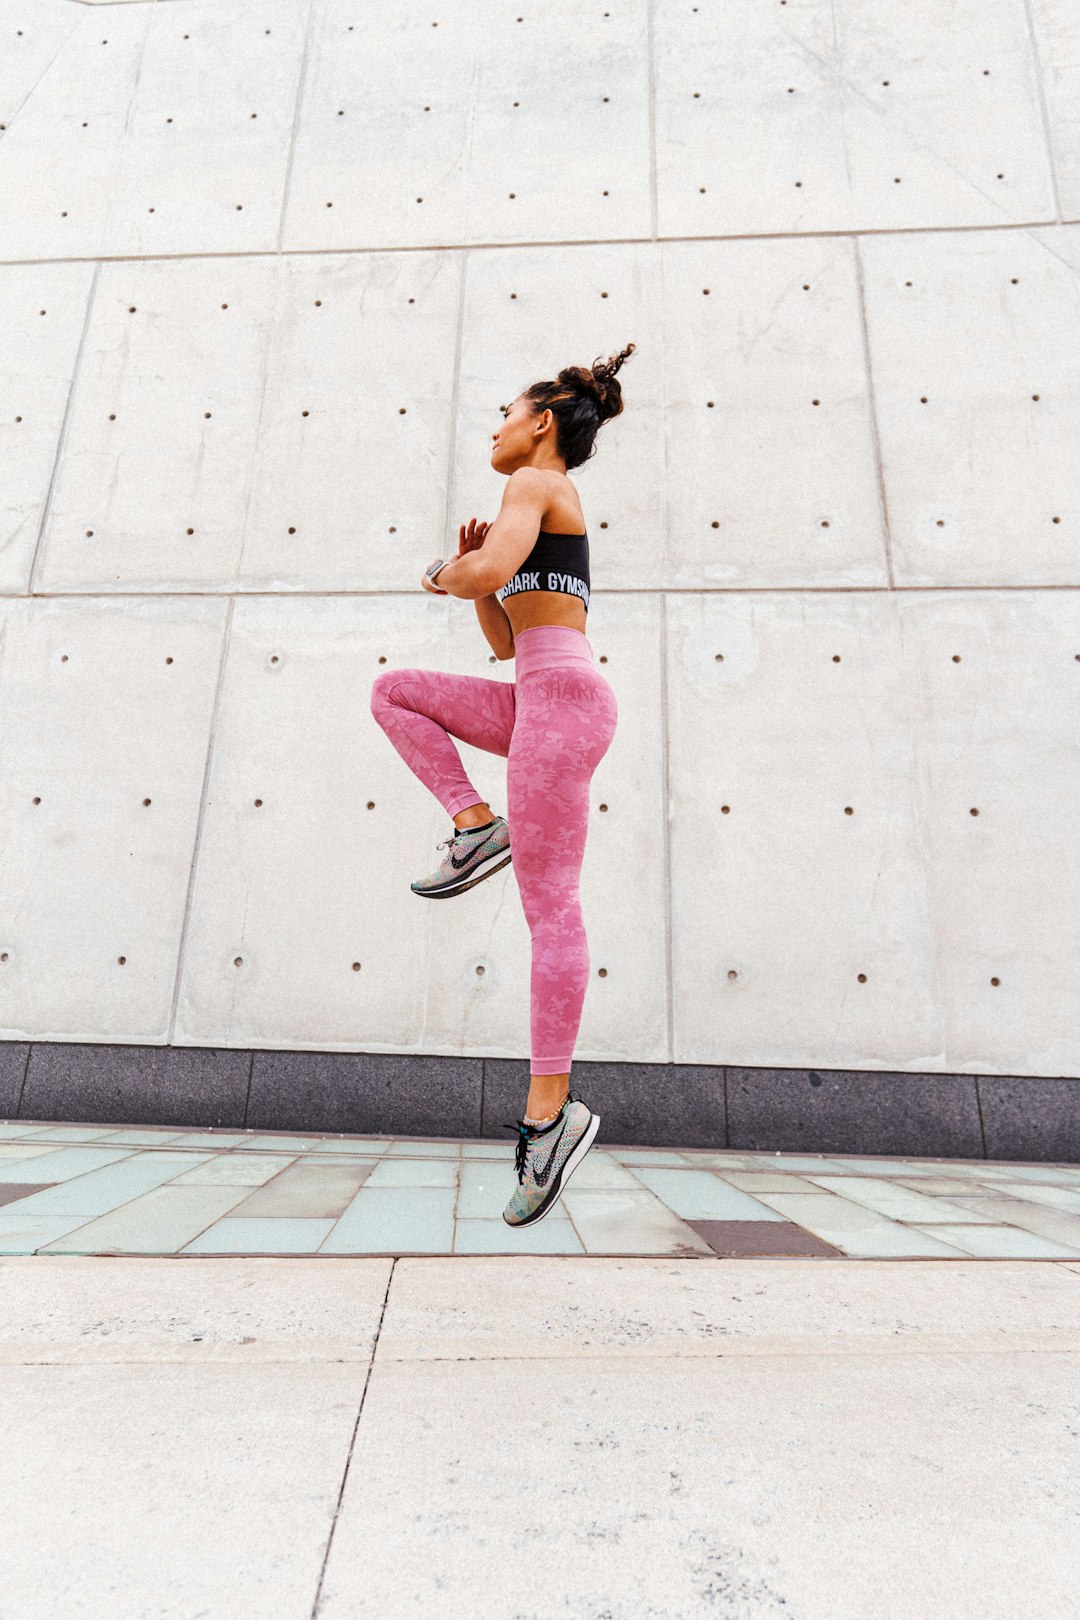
point(557, 562)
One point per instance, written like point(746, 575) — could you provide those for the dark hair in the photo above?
point(581, 401)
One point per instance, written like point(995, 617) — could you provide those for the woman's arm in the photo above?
point(496, 626)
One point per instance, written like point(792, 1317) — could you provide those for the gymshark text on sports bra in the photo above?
point(557, 562)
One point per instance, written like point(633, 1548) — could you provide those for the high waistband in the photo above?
point(550, 646)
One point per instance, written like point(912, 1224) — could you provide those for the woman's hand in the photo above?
point(472, 538)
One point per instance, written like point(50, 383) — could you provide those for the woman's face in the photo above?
point(515, 440)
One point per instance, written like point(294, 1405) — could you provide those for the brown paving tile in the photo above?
point(307, 1189)
point(730, 1239)
point(10, 1190)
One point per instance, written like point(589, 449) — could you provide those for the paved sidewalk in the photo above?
point(99, 1189)
point(538, 1438)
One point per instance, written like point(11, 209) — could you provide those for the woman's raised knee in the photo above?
point(382, 687)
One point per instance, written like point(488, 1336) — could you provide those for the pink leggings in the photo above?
point(553, 725)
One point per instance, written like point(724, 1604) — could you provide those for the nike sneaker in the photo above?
point(546, 1158)
point(472, 855)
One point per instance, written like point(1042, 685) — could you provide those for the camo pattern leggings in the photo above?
point(553, 725)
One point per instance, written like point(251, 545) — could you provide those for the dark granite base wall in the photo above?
point(957, 1116)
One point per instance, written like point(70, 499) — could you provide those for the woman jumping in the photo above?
point(553, 725)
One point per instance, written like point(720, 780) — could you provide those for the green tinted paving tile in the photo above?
point(72, 1133)
point(495, 1237)
point(269, 1143)
point(395, 1172)
point(1036, 1172)
point(12, 1129)
point(856, 1230)
point(211, 1141)
point(267, 1236)
point(418, 1149)
point(657, 1158)
point(793, 1161)
point(132, 1138)
point(158, 1222)
point(888, 1198)
point(63, 1164)
point(101, 1190)
point(395, 1220)
point(699, 1195)
point(1053, 1197)
point(25, 1234)
point(21, 1150)
point(486, 1188)
point(490, 1150)
point(365, 1145)
point(1000, 1242)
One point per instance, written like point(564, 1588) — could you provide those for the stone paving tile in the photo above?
point(262, 1236)
point(401, 1172)
point(234, 1170)
point(73, 1133)
point(703, 1196)
point(653, 1157)
point(22, 1150)
point(269, 1143)
point(629, 1223)
point(25, 1234)
point(792, 1161)
point(999, 1242)
point(547, 1236)
point(147, 1138)
point(395, 1220)
point(997, 1208)
point(485, 1189)
point(211, 1140)
point(366, 1146)
point(303, 1188)
point(1062, 1198)
point(899, 1203)
point(855, 1229)
point(99, 1191)
point(63, 1164)
point(755, 1181)
point(159, 1222)
point(487, 1150)
point(14, 1192)
point(421, 1149)
point(13, 1129)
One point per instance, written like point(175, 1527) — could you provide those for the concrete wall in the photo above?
point(269, 267)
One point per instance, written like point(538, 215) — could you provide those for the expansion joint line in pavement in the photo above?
point(352, 1444)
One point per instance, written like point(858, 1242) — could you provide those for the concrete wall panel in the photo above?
point(60, 152)
point(783, 711)
point(103, 705)
point(340, 497)
point(978, 403)
point(42, 314)
point(995, 720)
point(831, 118)
point(766, 396)
point(33, 31)
point(1056, 28)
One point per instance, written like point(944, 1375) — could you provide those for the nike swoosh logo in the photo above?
point(541, 1176)
point(454, 862)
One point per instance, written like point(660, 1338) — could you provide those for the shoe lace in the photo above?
point(528, 1133)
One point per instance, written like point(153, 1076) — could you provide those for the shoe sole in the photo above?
point(487, 868)
point(564, 1174)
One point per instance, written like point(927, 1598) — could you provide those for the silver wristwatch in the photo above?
point(429, 573)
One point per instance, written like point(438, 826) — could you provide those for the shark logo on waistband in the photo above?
point(528, 579)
